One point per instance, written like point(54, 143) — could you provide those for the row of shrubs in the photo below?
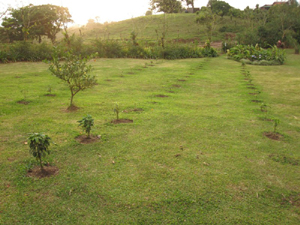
point(27, 51)
point(256, 55)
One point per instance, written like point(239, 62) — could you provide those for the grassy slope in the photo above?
point(179, 26)
point(223, 175)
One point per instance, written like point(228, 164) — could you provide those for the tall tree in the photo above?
point(189, 2)
point(166, 6)
point(35, 21)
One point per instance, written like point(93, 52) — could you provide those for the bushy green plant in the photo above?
point(257, 54)
point(39, 146)
point(86, 123)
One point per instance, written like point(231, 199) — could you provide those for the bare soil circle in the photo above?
point(23, 102)
point(273, 136)
point(121, 121)
point(162, 96)
point(47, 171)
point(83, 139)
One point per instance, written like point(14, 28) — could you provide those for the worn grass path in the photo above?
point(196, 156)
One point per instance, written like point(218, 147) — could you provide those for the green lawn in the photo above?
point(198, 156)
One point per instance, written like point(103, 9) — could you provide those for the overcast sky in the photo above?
point(113, 10)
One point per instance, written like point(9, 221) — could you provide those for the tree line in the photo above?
point(34, 22)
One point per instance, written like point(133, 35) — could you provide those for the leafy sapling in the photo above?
point(49, 90)
point(263, 107)
point(74, 71)
point(39, 146)
point(25, 93)
point(117, 110)
point(87, 122)
point(276, 123)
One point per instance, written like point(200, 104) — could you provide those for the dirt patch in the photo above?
point(108, 80)
point(83, 139)
point(176, 85)
point(23, 102)
point(121, 121)
point(131, 73)
point(257, 101)
point(273, 136)
point(217, 44)
point(265, 119)
point(133, 110)
point(50, 95)
point(72, 108)
point(162, 96)
point(46, 172)
point(181, 80)
point(251, 87)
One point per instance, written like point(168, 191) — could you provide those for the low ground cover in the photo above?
point(198, 155)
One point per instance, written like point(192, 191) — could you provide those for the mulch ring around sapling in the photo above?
point(83, 139)
point(162, 96)
point(23, 102)
point(176, 85)
point(122, 121)
point(273, 136)
point(47, 171)
point(133, 110)
point(71, 108)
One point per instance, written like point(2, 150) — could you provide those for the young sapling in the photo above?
point(276, 123)
point(117, 110)
point(39, 146)
point(87, 122)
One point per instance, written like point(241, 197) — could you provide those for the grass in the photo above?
point(180, 26)
point(198, 156)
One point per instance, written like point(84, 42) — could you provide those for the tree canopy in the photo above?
point(166, 6)
point(33, 22)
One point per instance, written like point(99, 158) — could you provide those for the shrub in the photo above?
point(87, 122)
point(39, 146)
point(257, 55)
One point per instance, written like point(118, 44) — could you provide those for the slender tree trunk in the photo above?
point(41, 164)
point(71, 100)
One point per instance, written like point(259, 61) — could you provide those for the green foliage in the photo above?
point(39, 146)
point(74, 71)
point(117, 110)
point(276, 123)
point(33, 22)
point(257, 55)
point(220, 7)
point(87, 122)
point(25, 51)
point(166, 6)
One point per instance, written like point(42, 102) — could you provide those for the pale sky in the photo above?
point(113, 10)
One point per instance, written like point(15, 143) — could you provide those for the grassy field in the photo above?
point(196, 156)
point(149, 28)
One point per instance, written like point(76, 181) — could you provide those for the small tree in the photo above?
point(117, 110)
point(39, 145)
point(74, 71)
point(87, 122)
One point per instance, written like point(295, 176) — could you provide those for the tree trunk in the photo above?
point(71, 101)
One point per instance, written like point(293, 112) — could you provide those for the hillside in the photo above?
point(180, 27)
